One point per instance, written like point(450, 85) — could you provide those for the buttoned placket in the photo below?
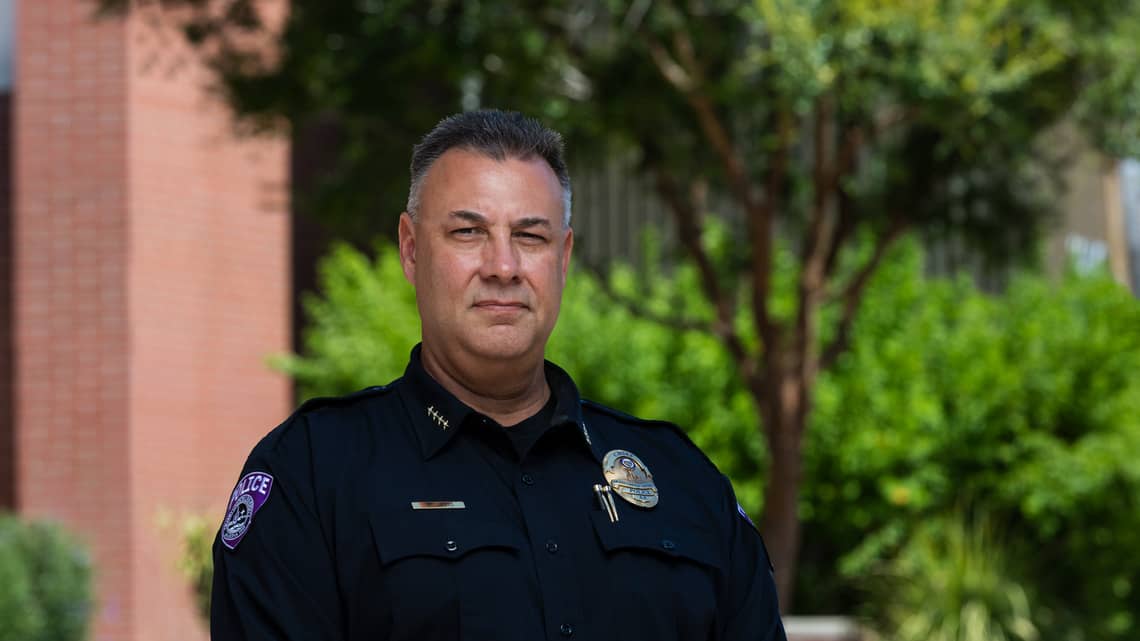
point(539, 501)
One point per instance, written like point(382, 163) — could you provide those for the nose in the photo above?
point(500, 260)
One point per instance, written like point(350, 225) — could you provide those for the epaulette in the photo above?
point(320, 402)
point(648, 422)
point(626, 418)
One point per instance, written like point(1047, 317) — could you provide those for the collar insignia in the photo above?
point(437, 417)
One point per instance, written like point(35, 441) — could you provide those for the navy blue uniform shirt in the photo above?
point(321, 543)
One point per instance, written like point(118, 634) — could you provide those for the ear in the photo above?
point(567, 247)
point(407, 239)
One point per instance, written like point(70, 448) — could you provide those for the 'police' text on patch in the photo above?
point(248, 497)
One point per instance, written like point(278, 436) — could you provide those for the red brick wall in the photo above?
point(70, 259)
point(152, 281)
point(209, 301)
point(7, 434)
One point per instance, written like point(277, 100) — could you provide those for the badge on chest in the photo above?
point(629, 478)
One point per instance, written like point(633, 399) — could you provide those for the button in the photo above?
point(668, 545)
point(551, 547)
point(567, 630)
point(452, 546)
point(528, 479)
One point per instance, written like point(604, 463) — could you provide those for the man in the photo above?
point(478, 497)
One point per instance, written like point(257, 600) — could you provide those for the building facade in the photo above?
point(144, 279)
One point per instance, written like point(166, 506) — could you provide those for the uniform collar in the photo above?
point(437, 414)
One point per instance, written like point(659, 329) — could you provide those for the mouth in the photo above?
point(500, 305)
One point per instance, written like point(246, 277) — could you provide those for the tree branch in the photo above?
point(689, 233)
point(852, 294)
point(844, 206)
point(687, 78)
point(817, 242)
point(641, 311)
point(760, 233)
point(670, 70)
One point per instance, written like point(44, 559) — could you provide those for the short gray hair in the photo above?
point(496, 134)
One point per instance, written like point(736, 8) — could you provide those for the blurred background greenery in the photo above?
point(949, 462)
point(45, 583)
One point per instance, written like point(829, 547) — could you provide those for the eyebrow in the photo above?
point(477, 218)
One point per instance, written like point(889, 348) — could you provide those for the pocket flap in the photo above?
point(440, 535)
point(641, 531)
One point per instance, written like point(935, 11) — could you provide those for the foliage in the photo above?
point(45, 583)
point(951, 583)
point(964, 86)
point(1026, 405)
point(197, 561)
point(363, 325)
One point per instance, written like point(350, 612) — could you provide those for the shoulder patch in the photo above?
point(740, 509)
point(250, 494)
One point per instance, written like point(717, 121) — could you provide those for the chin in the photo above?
point(501, 343)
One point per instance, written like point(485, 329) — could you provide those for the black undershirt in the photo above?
point(525, 434)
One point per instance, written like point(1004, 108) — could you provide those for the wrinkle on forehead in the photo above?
point(511, 189)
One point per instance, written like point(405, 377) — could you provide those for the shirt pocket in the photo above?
point(436, 567)
point(661, 575)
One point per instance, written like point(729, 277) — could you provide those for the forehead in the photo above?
point(466, 180)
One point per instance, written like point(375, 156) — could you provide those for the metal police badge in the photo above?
point(248, 497)
point(629, 478)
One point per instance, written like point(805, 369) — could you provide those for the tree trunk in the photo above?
point(783, 402)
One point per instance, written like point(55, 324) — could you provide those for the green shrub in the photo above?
point(197, 560)
point(45, 583)
point(1026, 404)
point(951, 582)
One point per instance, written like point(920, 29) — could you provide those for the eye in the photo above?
point(465, 231)
point(529, 237)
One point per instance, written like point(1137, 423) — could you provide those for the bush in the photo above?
point(45, 583)
point(197, 561)
point(951, 582)
point(1026, 405)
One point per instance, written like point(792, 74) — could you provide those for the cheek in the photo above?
point(447, 278)
point(547, 280)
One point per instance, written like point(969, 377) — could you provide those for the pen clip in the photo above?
point(606, 501)
point(613, 506)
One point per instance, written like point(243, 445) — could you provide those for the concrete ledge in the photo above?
point(821, 629)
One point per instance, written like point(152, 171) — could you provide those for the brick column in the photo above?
point(7, 434)
point(152, 280)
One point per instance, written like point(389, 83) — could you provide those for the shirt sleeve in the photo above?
point(752, 609)
point(274, 575)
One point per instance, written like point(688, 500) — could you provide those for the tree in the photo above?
point(824, 120)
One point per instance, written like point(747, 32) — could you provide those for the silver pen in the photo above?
point(606, 501)
point(612, 505)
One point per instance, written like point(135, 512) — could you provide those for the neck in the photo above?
point(507, 392)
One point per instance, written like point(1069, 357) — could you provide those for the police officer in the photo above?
point(479, 497)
